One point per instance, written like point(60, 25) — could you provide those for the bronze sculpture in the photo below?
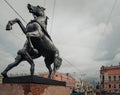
point(39, 42)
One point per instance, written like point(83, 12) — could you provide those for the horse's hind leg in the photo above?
point(48, 65)
point(18, 59)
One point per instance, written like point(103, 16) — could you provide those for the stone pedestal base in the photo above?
point(33, 79)
point(33, 89)
point(32, 85)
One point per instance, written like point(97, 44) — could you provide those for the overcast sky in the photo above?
point(86, 32)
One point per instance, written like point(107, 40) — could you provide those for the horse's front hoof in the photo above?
point(8, 27)
point(4, 74)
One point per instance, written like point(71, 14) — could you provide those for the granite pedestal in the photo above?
point(32, 85)
point(33, 79)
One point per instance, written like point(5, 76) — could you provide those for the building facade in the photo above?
point(70, 81)
point(110, 79)
point(73, 83)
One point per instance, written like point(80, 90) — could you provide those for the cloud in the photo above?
point(90, 45)
point(80, 31)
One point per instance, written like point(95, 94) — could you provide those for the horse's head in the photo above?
point(36, 10)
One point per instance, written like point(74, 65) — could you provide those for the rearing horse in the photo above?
point(39, 42)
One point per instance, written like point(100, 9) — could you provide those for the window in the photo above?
point(114, 78)
point(109, 78)
point(109, 85)
point(114, 85)
point(119, 77)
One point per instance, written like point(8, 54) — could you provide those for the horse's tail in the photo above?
point(57, 62)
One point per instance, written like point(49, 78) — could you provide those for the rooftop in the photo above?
point(114, 72)
point(111, 67)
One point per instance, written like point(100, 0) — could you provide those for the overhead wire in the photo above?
point(76, 68)
point(14, 10)
point(53, 12)
point(107, 21)
point(110, 14)
point(109, 17)
point(100, 46)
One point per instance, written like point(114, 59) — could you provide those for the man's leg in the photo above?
point(18, 59)
point(29, 59)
